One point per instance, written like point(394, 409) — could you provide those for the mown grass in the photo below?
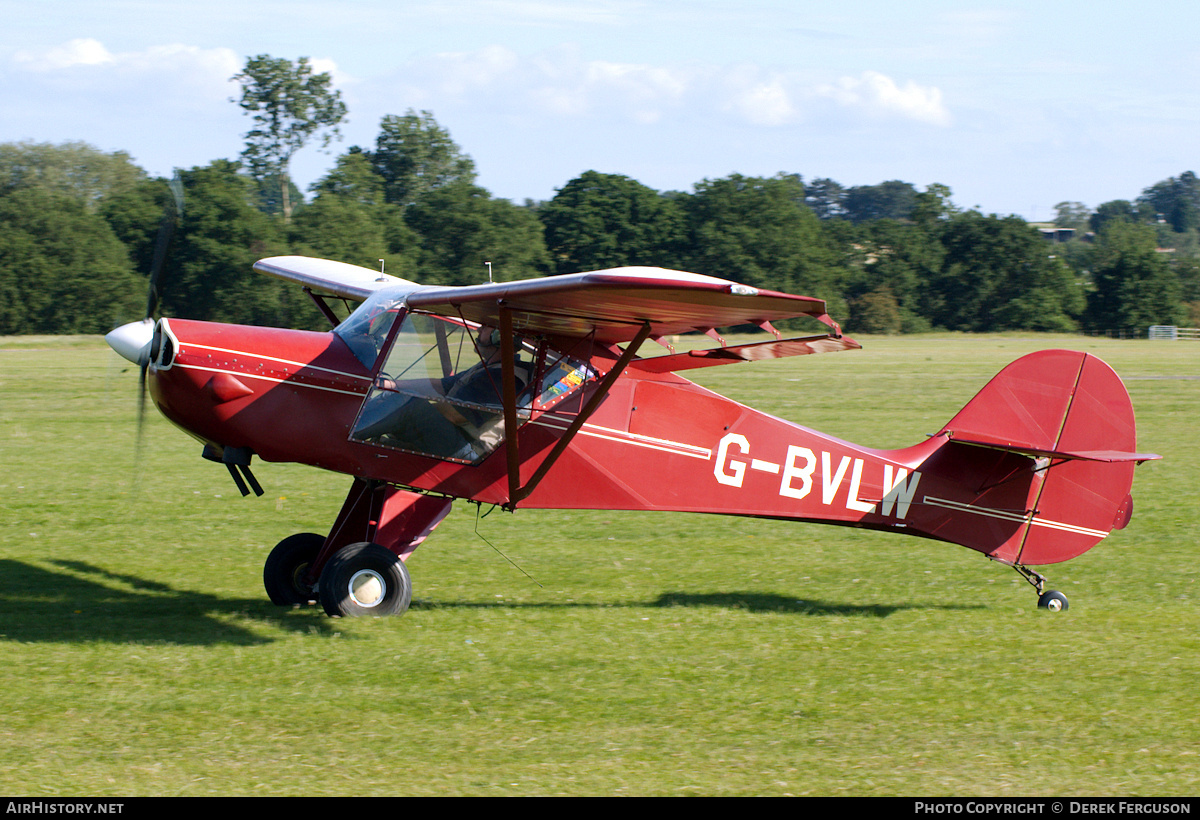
point(653, 654)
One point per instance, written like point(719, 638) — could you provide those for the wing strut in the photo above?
point(517, 493)
point(509, 389)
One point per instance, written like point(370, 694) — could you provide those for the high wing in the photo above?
point(324, 275)
point(615, 305)
point(612, 306)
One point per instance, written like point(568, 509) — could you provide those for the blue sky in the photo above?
point(1014, 105)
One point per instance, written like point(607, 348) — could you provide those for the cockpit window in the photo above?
point(366, 329)
point(439, 391)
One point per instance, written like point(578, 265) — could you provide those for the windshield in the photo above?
point(366, 329)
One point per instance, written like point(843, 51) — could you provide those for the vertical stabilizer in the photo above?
point(1063, 423)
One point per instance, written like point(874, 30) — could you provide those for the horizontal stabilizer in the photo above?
point(1109, 456)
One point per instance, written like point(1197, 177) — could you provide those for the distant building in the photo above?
point(1052, 233)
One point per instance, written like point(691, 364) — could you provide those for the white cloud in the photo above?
point(561, 83)
point(79, 52)
point(768, 103)
point(878, 94)
point(87, 62)
point(557, 83)
point(167, 105)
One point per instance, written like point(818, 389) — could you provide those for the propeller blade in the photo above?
point(133, 341)
point(172, 213)
point(141, 413)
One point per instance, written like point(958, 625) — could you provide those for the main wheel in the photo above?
point(1052, 600)
point(365, 579)
point(286, 567)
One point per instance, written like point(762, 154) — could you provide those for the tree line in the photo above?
point(78, 228)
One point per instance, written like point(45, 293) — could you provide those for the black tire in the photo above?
point(286, 566)
point(365, 579)
point(1052, 600)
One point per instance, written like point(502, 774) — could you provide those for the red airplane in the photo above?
point(533, 394)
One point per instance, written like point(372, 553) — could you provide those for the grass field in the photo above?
point(657, 654)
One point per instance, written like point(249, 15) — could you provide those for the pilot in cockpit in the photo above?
point(462, 419)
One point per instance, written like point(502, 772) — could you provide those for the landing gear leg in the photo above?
point(1048, 599)
point(358, 569)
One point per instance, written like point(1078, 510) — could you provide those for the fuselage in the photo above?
point(656, 442)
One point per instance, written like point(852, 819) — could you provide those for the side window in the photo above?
point(561, 378)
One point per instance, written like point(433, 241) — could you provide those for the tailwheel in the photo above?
point(287, 567)
point(1052, 600)
point(1048, 599)
point(365, 579)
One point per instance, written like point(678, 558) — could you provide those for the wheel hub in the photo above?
point(367, 588)
point(299, 578)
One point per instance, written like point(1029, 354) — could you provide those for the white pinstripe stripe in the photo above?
point(1008, 515)
point(620, 436)
point(238, 374)
point(247, 354)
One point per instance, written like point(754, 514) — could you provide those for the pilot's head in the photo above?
point(487, 342)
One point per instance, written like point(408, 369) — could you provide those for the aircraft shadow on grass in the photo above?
point(767, 602)
point(756, 602)
point(81, 602)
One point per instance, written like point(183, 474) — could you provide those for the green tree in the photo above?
point(1116, 210)
point(887, 200)
point(933, 205)
point(414, 155)
point(74, 169)
point(1188, 271)
point(826, 198)
point(1133, 284)
point(460, 228)
point(62, 267)
point(1177, 200)
point(289, 105)
point(1074, 215)
point(62, 270)
point(222, 234)
point(337, 227)
point(135, 216)
point(350, 222)
point(353, 177)
point(758, 231)
point(999, 274)
point(598, 221)
point(891, 270)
